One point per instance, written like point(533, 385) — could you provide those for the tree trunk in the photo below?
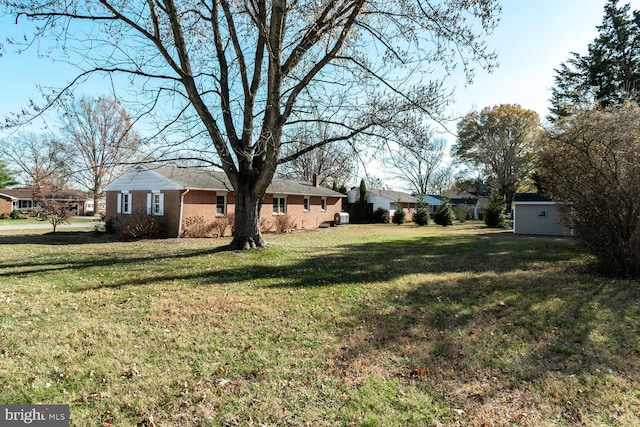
point(246, 232)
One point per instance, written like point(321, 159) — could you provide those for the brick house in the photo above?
point(23, 200)
point(177, 194)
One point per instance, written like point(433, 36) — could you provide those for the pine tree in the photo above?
point(6, 179)
point(399, 216)
point(609, 73)
point(494, 216)
point(359, 211)
point(421, 214)
point(444, 214)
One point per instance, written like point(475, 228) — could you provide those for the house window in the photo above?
point(307, 203)
point(155, 203)
point(542, 213)
point(124, 203)
point(279, 205)
point(324, 204)
point(25, 204)
point(221, 205)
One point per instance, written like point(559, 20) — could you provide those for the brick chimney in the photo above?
point(315, 180)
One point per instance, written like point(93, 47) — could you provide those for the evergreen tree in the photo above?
point(444, 214)
point(399, 216)
point(421, 214)
point(359, 211)
point(494, 216)
point(6, 179)
point(610, 72)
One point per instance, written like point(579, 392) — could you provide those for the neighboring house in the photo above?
point(479, 202)
point(23, 200)
point(471, 202)
point(386, 199)
point(535, 213)
point(432, 200)
point(177, 194)
point(435, 201)
point(102, 205)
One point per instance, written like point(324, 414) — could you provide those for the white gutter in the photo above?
point(181, 209)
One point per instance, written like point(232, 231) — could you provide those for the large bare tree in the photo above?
point(241, 71)
point(418, 158)
point(100, 139)
point(331, 164)
point(40, 161)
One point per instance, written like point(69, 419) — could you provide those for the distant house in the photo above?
point(386, 199)
point(435, 201)
point(535, 213)
point(478, 202)
point(432, 200)
point(177, 194)
point(102, 205)
point(23, 200)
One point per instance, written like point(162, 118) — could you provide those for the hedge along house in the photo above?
point(535, 213)
point(178, 194)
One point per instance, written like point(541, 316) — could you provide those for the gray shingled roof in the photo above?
point(203, 179)
point(194, 177)
point(23, 193)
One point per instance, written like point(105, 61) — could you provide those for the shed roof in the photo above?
point(531, 197)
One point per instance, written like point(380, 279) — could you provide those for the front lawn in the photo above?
point(367, 325)
point(34, 220)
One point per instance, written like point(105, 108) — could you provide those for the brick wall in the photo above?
point(199, 203)
point(5, 206)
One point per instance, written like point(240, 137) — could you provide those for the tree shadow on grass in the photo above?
point(357, 263)
point(59, 238)
point(482, 306)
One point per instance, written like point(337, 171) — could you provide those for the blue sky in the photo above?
point(533, 38)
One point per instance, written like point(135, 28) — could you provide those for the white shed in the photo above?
point(535, 213)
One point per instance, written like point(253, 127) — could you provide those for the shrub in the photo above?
point(380, 216)
point(444, 214)
point(195, 227)
point(137, 225)
point(399, 216)
point(494, 215)
point(5, 216)
point(15, 214)
point(89, 213)
point(284, 223)
point(265, 225)
point(462, 212)
point(591, 162)
point(421, 214)
point(222, 224)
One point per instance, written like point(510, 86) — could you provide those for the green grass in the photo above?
point(361, 325)
point(33, 220)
